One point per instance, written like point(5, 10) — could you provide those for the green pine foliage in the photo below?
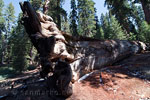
point(20, 48)
point(9, 17)
point(105, 25)
point(73, 19)
point(112, 28)
point(146, 8)
point(137, 14)
point(116, 31)
point(1, 48)
point(57, 12)
point(1, 6)
point(1, 15)
point(86, 18)
point(9, 13)
point(100, 33)
point(144, 32)
point(122, 10)
point(36, 4)
point(99, 30)
point(65, 25)
point(97, 35)
point(132, 37)
point(19, 61)
point(2, 21)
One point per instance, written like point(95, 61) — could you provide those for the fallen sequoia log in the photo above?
point(83, 54)
point(98, 54)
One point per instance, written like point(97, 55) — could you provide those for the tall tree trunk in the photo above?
point(146, 8)
point(58, 14)
point(1, 46)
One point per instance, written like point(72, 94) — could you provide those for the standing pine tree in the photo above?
point(116, 31)
point(56, 11)
point(111, 27)
point(104, 21)
point(73, 19)
point(99, 30)
point(9, 17)
point(86, 18)
point(144, 32)
point(121, 10)
point(9, 23)
point(2, 21)
point(20, 48)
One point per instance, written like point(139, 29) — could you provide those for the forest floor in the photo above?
point(126, 80)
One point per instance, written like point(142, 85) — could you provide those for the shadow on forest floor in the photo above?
point(7, 72)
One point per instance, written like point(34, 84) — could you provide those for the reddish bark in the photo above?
point(146, 8)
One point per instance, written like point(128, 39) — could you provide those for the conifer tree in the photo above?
point(144, 32)
point(146, 8)
point(9, 18)
point(56, 11)
point(116, 31)
point(132, 37)
point(104, 21)
point(20, 48)
point(2, 21)
point(99, 30)
point(65, 25)
point(73, 19)
point(1, 16)
point(122, 10)
point(86, 18)
point(111, 27)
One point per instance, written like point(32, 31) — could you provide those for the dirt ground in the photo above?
point(115, 87)
point(126, 80)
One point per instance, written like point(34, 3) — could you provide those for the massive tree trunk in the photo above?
point(146, 8)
